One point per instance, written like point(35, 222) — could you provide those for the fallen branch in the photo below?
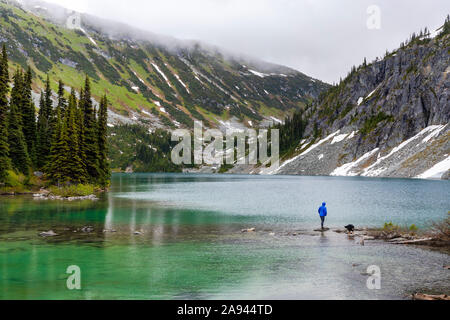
point(429, 297)
point(416, 241)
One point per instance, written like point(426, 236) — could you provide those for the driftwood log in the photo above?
point(429, 297)
point(416, 241)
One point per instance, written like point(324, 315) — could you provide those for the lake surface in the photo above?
point(190, 244)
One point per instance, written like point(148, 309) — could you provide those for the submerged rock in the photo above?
point(322, 230)
point(46, 234)
point(87, 229)
point(109, 231)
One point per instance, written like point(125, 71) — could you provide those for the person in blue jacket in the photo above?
point(323, 213)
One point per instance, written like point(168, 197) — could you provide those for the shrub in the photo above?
point(389, 226)
point(14, 180)
point(80, 190)
point(371, 123)
point(441, 230)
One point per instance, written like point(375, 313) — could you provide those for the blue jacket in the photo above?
point(323, 210)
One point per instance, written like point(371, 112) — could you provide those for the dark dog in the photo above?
point(350, 228)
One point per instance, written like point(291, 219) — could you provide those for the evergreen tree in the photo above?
point(17, 146)
point(102, 143)
point(76, 167)
point(62, 101)
point(16, 140)
point(17, 94)
point(79, 123)
point(89, 147)
point(66, 165)
point(29, 115)
point(4, 89)
point(45, 127)
point(291, 132)
point(56, 169)
point(446, 27)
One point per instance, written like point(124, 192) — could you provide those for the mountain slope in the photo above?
point(162, 81)
point(386, 119)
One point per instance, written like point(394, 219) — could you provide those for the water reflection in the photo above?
point(196, 253)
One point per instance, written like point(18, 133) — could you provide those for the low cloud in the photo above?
point(320, 38)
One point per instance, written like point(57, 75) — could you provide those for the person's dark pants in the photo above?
point(323, 220)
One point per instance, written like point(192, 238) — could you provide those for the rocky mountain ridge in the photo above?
point(389, 118)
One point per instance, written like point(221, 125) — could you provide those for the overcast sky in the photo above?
point(322, 38)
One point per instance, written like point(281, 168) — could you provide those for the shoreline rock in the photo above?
point(47, 234)
point(44, 196)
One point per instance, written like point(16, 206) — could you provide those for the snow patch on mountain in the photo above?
point(162, 74)
point(377, 168)
point(339, 138)
point(347, 170)
point(314, 146)
point(437, 171)
point(182, 83)
point(259, 74)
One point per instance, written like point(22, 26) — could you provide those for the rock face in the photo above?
point(386, 119)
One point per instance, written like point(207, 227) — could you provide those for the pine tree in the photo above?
point(4, 89)
point(56, 169)
point(45, 126)
point(79, 123)
point(102, 143)
point(17, 146)
point(446, 27)
point(17, 93)
point(77, 169)
point(29, 115)
point(89, 142)
point(62, 101)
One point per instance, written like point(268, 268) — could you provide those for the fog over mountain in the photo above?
point(320, 38)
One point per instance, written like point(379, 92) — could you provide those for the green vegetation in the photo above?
point(291, 132)
point(225, 168)
point(372, 122)
point(134, 146)
point(390, 227)
point(4, 88)
point(79, 190)
point(445, 27)
point(441, 230)
point(67, 143)
point(126, 71)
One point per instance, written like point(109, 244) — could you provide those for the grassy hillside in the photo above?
point(143, 78)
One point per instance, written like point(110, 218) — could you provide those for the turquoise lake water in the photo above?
point(190, 243)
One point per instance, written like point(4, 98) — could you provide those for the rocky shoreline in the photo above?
point(398, 237)
point(48, 196)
